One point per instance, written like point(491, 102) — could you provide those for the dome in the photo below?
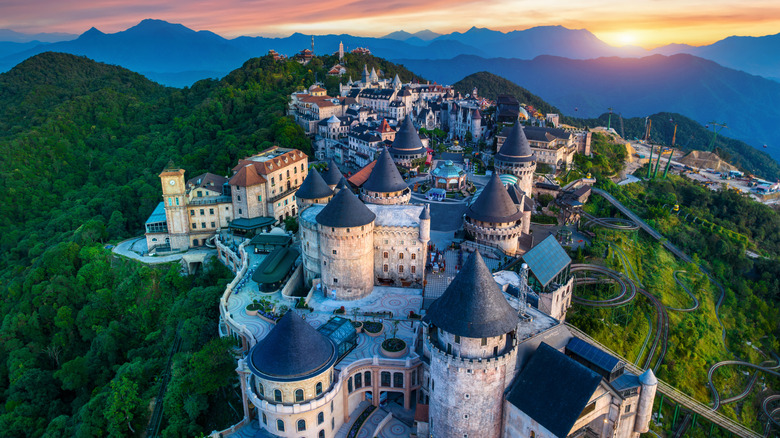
point(448, 169)
point(293, 350)
point(313, 187)
point(345, 210)
point(494, 204)
point(385, 177)
point(473, 304)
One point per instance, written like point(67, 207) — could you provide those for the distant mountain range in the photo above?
point(702, 90)
point(175, 55)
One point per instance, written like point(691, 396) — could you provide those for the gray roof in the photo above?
point(516, 147)
point(342, 184)
point(292, 350)
point(603, 362)
point(333, 174)
point(385, 177)
point(426, 213)
point(407, 141)
point(313, 187)
point(473, 304)
point(494, 204)
point(345, 210)
point(553, 390)
point(547, 259)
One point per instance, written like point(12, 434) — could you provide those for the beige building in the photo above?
point(311, 106)
point(552, 146)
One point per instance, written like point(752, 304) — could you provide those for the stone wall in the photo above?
point(399, 244)
point(558, 301)
point(394, 198)
point(523, 171)
point(347, 256)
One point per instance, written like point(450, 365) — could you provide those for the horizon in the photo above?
point(616, 23)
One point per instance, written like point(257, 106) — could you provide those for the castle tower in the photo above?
point(313, 190)
point(341, 50)
point(425, 225)
point(346, 230)
point(366, 77)
point(332, 175)
point(646, 396)
point(516, 158)
point(472, 339)
point(343, 184)
point(494, 219)
point(174, 194)
point(407, 145)
point(476, 124)
point(385, 185)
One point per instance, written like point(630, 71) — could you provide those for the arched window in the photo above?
point(265, 419)
point(414, 256)
point(277, 395)
point(385, 254)
point(386, 268)
point(260, 390)
point(320, 418)
point(400, 256)
point(385, 378)
point(301, 425)
point(400, 269)
point(533, 434)
point(318, 388)
point(321, 434)
point(367, 377)
point(280, 425)
point(298, 395)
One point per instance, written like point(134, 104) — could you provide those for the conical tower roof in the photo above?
point(407, 141)
point(342, 184)
point(292, 350)
point(333, 174)
point(473, 305)
point(494, 204)
point(385, 177)
point(314, 187)
point(425, 215)
point(648, 378)
point(516, 148)
point(345, 210)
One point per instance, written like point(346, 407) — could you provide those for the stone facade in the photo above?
point(523, 171)
point(557, 302)
point(346, 256)
point(502, 235)
point(392, 198)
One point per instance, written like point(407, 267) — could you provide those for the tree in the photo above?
point(291, 224)
point(123, 403)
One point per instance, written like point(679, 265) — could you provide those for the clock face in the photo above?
point(172, 182)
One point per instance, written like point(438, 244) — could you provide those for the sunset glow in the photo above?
point(616, 22)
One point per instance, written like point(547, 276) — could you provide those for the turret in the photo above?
point(425, 224)
point(646, 396)
point(516, 158)
point(385, 185)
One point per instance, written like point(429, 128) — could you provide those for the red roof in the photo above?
point(246, 177)
point(360, 177)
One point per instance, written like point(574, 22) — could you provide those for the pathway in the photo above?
point(128, 248)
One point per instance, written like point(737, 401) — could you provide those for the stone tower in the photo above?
point(313, 190)
point(341, 50)
point(425, 225)
point(385, 185)
point(646, 396)
point(471, 336)
point(516, 158)
point(346, 230)
point(174, 194)
point(494, 219)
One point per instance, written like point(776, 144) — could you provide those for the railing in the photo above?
point(671, 392)
point(211, 200)
point(282, 195)
point(234, 326)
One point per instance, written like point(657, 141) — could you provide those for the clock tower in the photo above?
point(174, 195)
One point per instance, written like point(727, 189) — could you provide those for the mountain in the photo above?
point(490, 86)
point(698, 88)
point(19, 37)
point(402, 35)
point(755, 55)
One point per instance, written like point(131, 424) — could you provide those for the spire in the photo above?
point(407, 140)
point(333, 174)
point(648, 378)
point(384, 177)
point(313, 187)
point(425, 215)
point(345, 210)
point(494, 204)
point(473, 304)
point(516, 147)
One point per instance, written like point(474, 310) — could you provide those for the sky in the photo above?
point(646, 23)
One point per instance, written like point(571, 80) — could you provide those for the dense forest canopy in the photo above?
point(490, 86)
point(85, 335)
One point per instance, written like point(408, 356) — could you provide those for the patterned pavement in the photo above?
point(437, 283)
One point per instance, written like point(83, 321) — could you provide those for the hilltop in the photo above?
point(490, 86)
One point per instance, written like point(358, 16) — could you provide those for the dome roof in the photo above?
point(345, 210)
point(473, 304)
point(407, 141)
point(494, 204)
point(293, 350)
point(314, 187)
point(385, 177)
point(516, 147)
point(448, 169)
point(333, 174)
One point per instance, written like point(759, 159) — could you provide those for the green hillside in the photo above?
point(490, 86)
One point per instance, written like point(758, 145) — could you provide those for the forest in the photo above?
point(86, 335)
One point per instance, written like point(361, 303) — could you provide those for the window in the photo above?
point(484, 341)
point(299, 395)
point(367, 377)
point(301, 425)
point(457, 339)
point(194, 242)
point(177, 201)
point(398, 380)
point(414, 256)
point(400, 269)
point(194, 226)
point(280, 425)
point(259, 198)
point(358, 380)
point(386, 268)
point(213, 225)
point(192, 212)
point(628, 409)
point(349, 385)
point(331, 407)
point(239, 197)
point(202, 212)
point(332, 423)
point(334, 251)
point(265, 419)
point(533, 434)
point(278, 396)
point(318, 388)
point(260, 390)
point(301, 167)
point(385, 378)
point(170, 201)
point(335, 280)
point(465, 417)
point(321, 434)
point(211, 211)
point(385, 254)
point(320, 418)
point(239, 211)
point(272, 181)
point(400, 256)
point(414, 269)
point(203, 225)
point(288, 173)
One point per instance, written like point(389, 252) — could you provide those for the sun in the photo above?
point(626, 38)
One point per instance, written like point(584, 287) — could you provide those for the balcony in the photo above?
point(283, 195)
point(211, 200)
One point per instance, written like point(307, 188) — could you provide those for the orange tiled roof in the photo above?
point(247, 177)
point(360, 177)
point(272, 165)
